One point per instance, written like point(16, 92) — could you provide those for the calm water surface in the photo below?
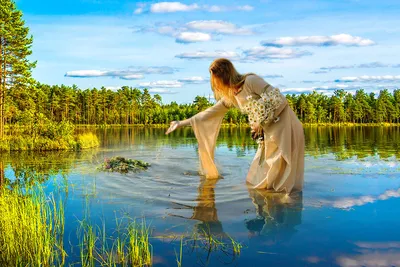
point(347, 215)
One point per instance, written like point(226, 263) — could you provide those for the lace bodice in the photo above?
point(259, 100)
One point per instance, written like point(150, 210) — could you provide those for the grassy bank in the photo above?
point(41, 143)
point(47, 135)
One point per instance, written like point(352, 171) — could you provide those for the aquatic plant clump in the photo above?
point(123, 165)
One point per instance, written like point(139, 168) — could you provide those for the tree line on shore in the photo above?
point(134, 106)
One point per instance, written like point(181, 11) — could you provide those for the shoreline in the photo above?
point(244, 125)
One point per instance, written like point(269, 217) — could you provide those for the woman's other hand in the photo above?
point(255, 127)
point(256, 131)
point(173, 126)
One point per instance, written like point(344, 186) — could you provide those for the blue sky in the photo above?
point(297, 45)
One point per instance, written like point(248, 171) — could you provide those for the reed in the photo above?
point(31, 227)
point(129, 247)
point(179, 258)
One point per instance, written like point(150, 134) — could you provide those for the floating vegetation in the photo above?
point(31, 227)
point(123, 165)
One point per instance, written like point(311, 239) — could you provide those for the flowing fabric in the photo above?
point(279, 161)
point(206, 126)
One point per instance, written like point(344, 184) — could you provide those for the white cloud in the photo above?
point(138, 10)
point(168, 7)
point(260, 53)
point(271, 76)
point(218, 26)
point(162, 91)
point(369, 65)
point(155, 70)
point(192, 37)
point(249, 55)
point(132, 77)
point(195, 31)
point(113, 88)
point(319, 71)
point(340, 39)
point(86, 73)
point(298, 90)
point(208, 55)
point(245, 8)
point(324, 89)
point(366, 78)
point(131, 73)
point(215, 8)
point(193, 80)
point(161, 84)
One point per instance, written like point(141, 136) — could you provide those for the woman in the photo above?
point(279, 161)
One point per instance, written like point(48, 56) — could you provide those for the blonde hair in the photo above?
point(225, 80)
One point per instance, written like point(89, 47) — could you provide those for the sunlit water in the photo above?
point(347, 215)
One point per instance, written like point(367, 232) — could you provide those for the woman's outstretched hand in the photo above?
point(173, 126)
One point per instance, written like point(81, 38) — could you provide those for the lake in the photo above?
point(347, 215)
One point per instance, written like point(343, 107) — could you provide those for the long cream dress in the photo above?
point(279, 161)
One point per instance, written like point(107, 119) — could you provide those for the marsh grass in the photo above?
point(31, 227)
point(128, 246)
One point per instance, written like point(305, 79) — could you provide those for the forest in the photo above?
point(28, 104)
point(135, 106)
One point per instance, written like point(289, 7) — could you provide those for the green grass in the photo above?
point(31, 228)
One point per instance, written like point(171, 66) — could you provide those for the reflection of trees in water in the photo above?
point(2, 176)
point(29, 167)
point(344, 142)
point(277, 214)
point(359, 141)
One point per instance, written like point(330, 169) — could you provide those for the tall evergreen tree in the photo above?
point(15, 47)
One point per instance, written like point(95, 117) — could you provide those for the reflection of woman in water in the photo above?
point(277, 214)
point(279, 162)
point(205, 211)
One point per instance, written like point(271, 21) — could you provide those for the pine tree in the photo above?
point(15, 47)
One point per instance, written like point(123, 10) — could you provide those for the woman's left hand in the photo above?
point(256, 131)
point(255, 128)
